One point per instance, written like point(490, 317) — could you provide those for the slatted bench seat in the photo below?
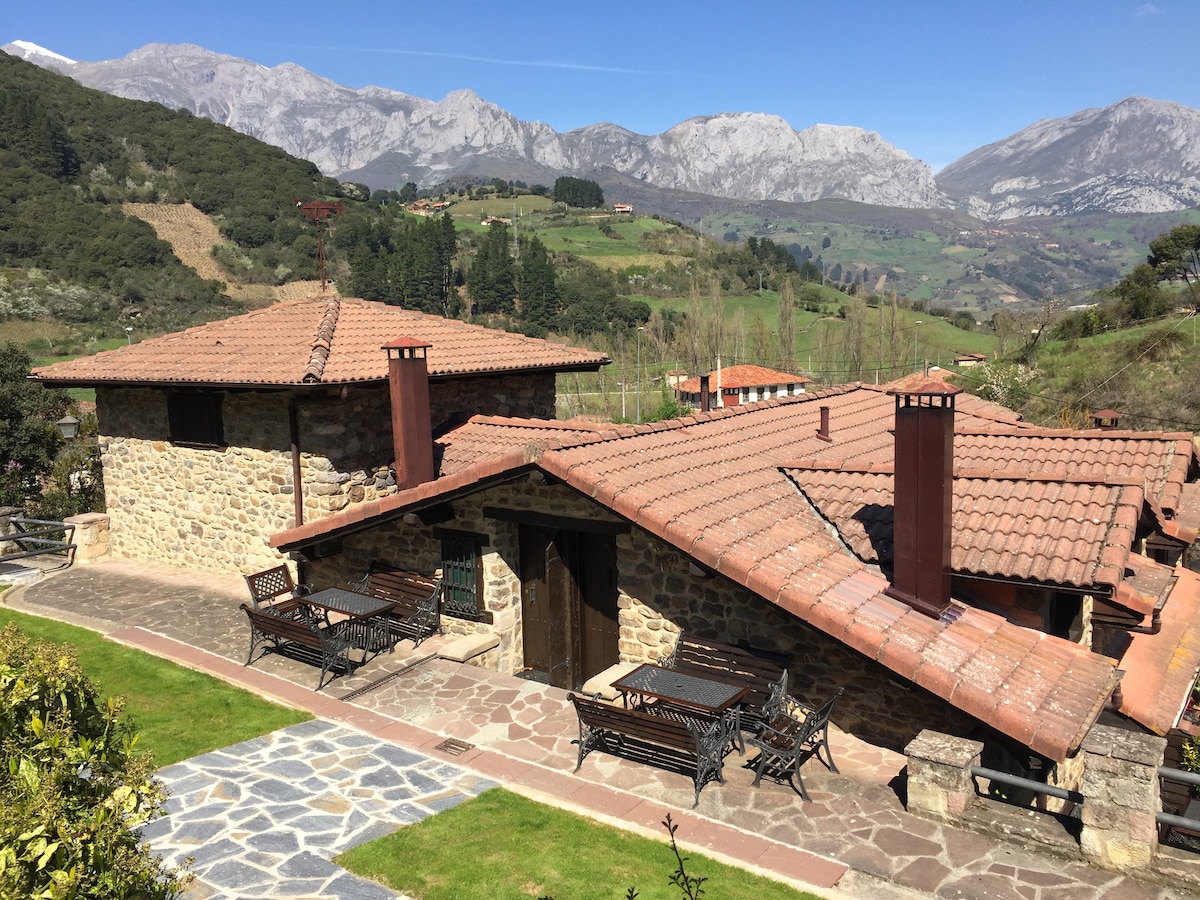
point(417, 613)
point(324, 645)
point(688, 745)
point(764, 672)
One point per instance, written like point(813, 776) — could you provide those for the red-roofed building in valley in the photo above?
point(735, 385)
point(217, 437)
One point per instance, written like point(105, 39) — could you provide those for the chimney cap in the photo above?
point(405, 343)
point(929, 389)
point(1106, 414)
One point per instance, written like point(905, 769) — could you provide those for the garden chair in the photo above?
point(795, 733)
point(274, 591)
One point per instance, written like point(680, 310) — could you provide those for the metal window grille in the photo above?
point(460, 576)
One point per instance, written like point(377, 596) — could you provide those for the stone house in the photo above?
point(215, 438)
point(952, 567)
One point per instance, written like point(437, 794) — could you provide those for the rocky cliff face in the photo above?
point(1137, 155)
point(341, 130)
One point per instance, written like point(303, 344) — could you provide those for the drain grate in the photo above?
point(454, 746)
point(367, 688)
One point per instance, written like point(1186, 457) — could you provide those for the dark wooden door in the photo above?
point(568, 603)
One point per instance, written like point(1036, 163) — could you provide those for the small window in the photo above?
point(462, 575)
point(195, 419)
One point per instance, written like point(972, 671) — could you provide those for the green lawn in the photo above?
point(498, 845)
point(503, 846)
point(178, 713)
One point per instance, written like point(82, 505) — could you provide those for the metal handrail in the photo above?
point(1038, 787)
point(1180, 777)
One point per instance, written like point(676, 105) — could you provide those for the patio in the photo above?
point(474, 717)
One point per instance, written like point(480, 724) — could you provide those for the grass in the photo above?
point(179, 713)
point(505, 847)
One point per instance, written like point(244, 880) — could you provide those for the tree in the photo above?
point(787, 323)
point(28, 438)
point(1176, 254)
point(75, 795)
point(491, 280)
point(577, 192)
point(537, 286)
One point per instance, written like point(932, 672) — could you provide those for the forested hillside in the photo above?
point(70, 156)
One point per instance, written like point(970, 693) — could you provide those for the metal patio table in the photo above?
point(678, 694)
point(367, 615)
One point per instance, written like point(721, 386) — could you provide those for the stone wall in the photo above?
point(659, 595)
point(217, 508)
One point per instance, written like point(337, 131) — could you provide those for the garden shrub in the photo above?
point(73, 793)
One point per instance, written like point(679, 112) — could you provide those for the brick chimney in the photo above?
point(412, 428)
point(924, 492)
point(705, 401)
point(823, 430)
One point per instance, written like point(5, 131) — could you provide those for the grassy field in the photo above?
point(179, 713)
point(544, 852)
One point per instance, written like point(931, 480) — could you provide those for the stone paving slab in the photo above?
point(265, 818)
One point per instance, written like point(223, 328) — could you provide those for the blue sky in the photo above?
point(936, 79)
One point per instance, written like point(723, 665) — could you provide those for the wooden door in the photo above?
point(568, 603)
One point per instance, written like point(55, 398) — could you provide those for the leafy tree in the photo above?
point(75, 794)
point(825, 242)
point(28, 438)
point(1140, 296)
point(1176, 254)
point(577, 192)
point(408, 193)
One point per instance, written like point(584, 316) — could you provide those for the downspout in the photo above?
point(294, 439)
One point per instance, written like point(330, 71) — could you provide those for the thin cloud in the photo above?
point(1147, 9)
point(497, 61)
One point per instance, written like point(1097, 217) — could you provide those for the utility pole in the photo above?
point(916, 343)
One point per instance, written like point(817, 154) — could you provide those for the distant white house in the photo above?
point(623, 208)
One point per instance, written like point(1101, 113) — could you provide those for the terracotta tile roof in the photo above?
point(1160, 668)
point(711, 485)
point(1160, 461)
point(1027, 528)
point(484, 438)
point(321, 340)
point(740, 377)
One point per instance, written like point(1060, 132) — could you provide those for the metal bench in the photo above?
point(763, 672)
point(691, 745)
point(324, 645)
point(417, 613)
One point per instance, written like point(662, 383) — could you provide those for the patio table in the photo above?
point(368, 626)
point(678, 693)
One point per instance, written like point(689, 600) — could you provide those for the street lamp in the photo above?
point(639, 375)
point(916, 343)
point(128, 335)
point(68, 427)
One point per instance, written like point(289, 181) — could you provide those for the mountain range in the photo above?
point(1135, 156)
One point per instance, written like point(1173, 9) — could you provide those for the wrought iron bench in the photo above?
point(417, 613)
point(689, 745)
point(326, 645)
point(795, 734)
point(764, 672)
